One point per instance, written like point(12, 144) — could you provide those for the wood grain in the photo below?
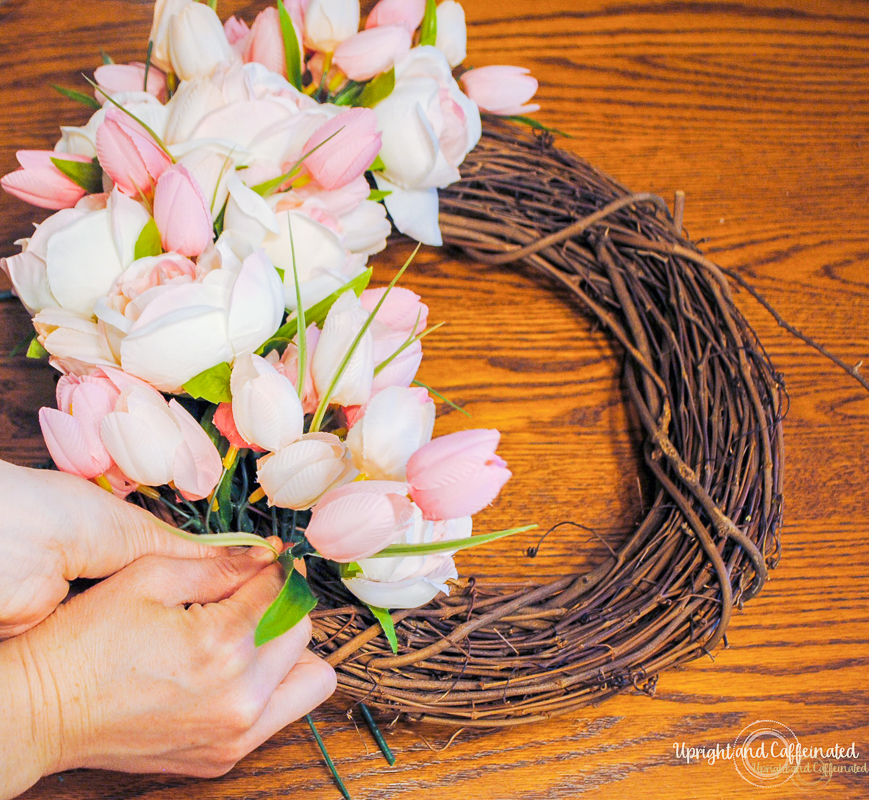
point(759, 111)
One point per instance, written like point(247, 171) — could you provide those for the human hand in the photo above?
point(155, 670)
point(55, 528)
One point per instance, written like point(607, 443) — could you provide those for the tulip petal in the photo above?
point(197, 466)
point(414, 212)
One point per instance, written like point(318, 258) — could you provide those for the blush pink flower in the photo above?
point(40, 183)
point(408, 13)
point(129, 154)
point(370, 52)
point(266, 42)
point(115, 78)
point(353, 143)
point(360, 519)
point(457, 475)
point(501, 90)
point(181, 212)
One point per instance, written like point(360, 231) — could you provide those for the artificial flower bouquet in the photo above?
point(202, 286)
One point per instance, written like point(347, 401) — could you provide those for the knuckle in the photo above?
point(243, 714)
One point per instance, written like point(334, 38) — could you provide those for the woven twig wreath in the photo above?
point(710, 406)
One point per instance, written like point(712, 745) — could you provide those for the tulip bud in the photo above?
point(366, 228)
point(343, 323)
point(360, 519)
point(288, 365)
point(266, 42)
point(156, 443)
point(370, 52)
point(40, 183)
point(501, 90)
point(330, 22)
point(300, 474)
point(395, 423)
point(402, 310)
point(402, 368)
point(266, 409)
point(181, 213)
point(225, 423)
point(457, 475)
point(353, 145)
point(164, 12)
point(408, 13)
point(129, 154)
point(237, 34)
point(197, 42)
point(115, 78)
point(452, 34)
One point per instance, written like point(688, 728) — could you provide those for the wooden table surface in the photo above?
point(759, 111)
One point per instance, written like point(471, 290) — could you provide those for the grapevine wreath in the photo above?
point(710, 404)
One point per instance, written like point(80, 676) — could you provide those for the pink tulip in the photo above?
point(402, 369)
point(354, 145)
point(372, 51)
point(360, 519)
point(457, 475)
point(408, 13)
point(501, 90)
point(288, 366)
point(266, 42)
point(114, 78)
point(402, 310)
point(181, 212)
point(236, 31)
point(129, 154)
point(42, 184)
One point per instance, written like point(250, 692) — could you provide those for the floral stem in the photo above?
point(328, 759)
point(376, 733)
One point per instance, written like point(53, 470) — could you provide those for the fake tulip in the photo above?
point(164, 12)
point(370, 52)
point(40, 183)
point(365, 228)
point(402, 311)
point(346, 146)
point(300, 474)
point(399, 370)
point(266, 42)
point(410, 581)
point(225, 423)
point(395, 423)
point(129, 154)
point(501, 90)
point(181, 212)
point(343, 323)
point(360, 519)
point(452, 33)
point(266, 409)
point(155, 443)
point(408, 13)
point(457, 475)
point(288, 365)
point(197, 42)
point(330, 22)
point(116, 78)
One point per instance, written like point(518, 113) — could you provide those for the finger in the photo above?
point(276, 658)
point(180, 581)
point(310, 682)
point(252, 599)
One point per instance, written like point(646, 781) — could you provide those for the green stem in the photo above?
point(376, 733)
point(328, 759)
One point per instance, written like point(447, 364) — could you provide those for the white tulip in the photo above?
point(343, 323)
point(330, 22)
point(75, 344)
point(183, 326)
point(266, 409)
point(411, 581)
point(299, 475)
point(193, 101)
point(365, 228)
point(452, 35)
point(197, 42)
point(164, 12)
point(395, 423)
point(154, 443)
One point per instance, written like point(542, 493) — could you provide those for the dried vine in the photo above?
point(710, 405)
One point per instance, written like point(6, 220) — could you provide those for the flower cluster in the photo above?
point(226, 190)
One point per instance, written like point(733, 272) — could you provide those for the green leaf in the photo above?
point(316, 314)
point(385, 619)
point(290, 606)
point(211, 385)
point(378, 89)
point(87, 174)
point(36, 350)
point(219, 221)
point(301, 325)
point(107, 59)
point(326, 398)
point(349, 94)
point(223, 496)
point(428, 34)
point(538, 126)
point(377, 165)
point(437, 394)
point(377, 195)
point(79, 97)
point(445, 547)
point(291, 47)
point(148, 243)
